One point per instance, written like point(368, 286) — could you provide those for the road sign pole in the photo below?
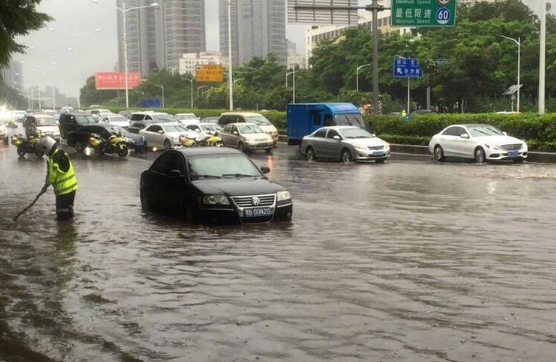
point(408, 94)
point(375, 56)
point(542, 60)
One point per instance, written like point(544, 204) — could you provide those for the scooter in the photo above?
point(187, 142)
point(211, 141)
point(114, 144)
point(25, 145)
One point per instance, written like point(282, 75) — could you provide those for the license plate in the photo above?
point(261, 145)
point(379, 153)
point(260, 211)
point(513, 154)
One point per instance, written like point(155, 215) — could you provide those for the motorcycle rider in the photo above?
point(30, 125)
point(61, 176)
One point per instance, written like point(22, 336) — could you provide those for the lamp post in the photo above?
point(124, 10)
point(357, 72)
point(288, 73)
point(230, 71)
point(161, 86)
point(542, 59)
point(518, 42)
point(191, 81)
point(198, 89)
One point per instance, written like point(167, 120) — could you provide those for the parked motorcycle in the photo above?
point(187, 142)
point(115, 144)
point(211, 141)
point(25, 145)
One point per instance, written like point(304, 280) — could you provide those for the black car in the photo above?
point(69, 122)
point(80, 138)
point(209, 183)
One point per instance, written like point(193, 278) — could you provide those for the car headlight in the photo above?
point(216, 200)
point(360, 147)
point(386, 146)
point(493, 147)
point(283, 195)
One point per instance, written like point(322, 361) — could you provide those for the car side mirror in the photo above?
point(337, 138)
point(236, 132)
point(175, 173)
point(265, 169)
point(464, 135)
point(505, 133)
point(161, 131)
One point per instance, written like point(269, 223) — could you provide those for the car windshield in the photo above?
point(258, 120)
point(213, 166)
point(355, 133)
point(117, 119)
point(163, 118)
point(248, 129)
point(182, 117)
point(484, 131)
point(349, 120)
point(45, 121)
point(84, 119)
point(174, 129)
point(114, 129)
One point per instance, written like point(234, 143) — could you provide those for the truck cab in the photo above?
point(304, 118)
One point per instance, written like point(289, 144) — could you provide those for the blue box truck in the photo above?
point(304, 118)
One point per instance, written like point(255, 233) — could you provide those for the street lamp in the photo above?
point(230, 65)
point(518, 42)
point(288, 73)
point(161, 86)
point(198, 89)
point(545, 6)
point(124, 10)
point(357, 72)
point(190, 81)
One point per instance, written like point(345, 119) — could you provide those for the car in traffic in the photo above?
point(205, 128)
point(246, 137)
point(3, 132)
point(167, 135)
point(79, 139)
point(248, 117)
point(479, 142)
point(186, 118)
point(72, 121)
point(45, 124)
point(213, 184)
point(344, 143)
point(116, 120)
point(137, 125)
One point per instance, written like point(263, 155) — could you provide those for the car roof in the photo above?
point(162, 124)
point(40, 115)
point(201, 151)
point(338, 127)
point(238, 124)
point(472, 125)
point(245, 114)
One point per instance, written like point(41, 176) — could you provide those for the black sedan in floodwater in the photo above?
point(213, 183)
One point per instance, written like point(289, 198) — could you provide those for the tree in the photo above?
point(17, 17)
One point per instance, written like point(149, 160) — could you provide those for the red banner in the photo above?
point(115, 80)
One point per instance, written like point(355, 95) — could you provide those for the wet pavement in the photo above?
point(406, 261)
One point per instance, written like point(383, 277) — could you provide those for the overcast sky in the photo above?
point(76, 25)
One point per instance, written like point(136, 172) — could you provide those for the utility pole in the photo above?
point(542, 61)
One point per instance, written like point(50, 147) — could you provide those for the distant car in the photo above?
point(166, 135)
point(481, 142)
point(127, 113)
point(209, 120)
point(18, 115)
point(186, 118)
point(80, 137)
point(344, 143)
point(210, 183)
point(3, 132)
point(72, 121)
point(246, 137)
point(117, 120)
point(207, 128)
point(249, 117)
point(45, 124)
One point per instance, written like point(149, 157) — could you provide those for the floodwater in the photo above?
point(406, 261)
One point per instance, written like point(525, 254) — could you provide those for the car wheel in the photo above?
point(438, 153)
point(145, 202)
point(345, 156)
point(268, 151)
point(480, 156)
point(79, 147)
point(381, 160)
point(310, 154)
point(167, 145)
point(145, 147)
point(240, 147)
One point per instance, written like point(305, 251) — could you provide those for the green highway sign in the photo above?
point(424, 13)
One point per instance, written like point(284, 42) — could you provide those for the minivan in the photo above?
point(249, 117)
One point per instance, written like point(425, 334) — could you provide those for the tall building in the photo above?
point(13, 75)
point(258, 29)
point(158, 36)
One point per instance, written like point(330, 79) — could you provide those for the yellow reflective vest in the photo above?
point(62, 182)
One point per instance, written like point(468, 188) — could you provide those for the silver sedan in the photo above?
point(344, 143)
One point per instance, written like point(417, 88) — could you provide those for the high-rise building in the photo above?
point(13, 75)
point(158, 36)
point(258, 29)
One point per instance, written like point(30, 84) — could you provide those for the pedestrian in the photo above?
point(403, 113)
point(61, 176)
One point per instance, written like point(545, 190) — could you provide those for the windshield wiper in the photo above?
point(237, 175)
point(207, 176)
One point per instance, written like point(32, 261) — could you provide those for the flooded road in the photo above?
point(406, 261)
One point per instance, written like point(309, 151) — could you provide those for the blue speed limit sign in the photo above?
point(443, 16)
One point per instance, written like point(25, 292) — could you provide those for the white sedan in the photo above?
point(481, 142)
point(166, 135)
